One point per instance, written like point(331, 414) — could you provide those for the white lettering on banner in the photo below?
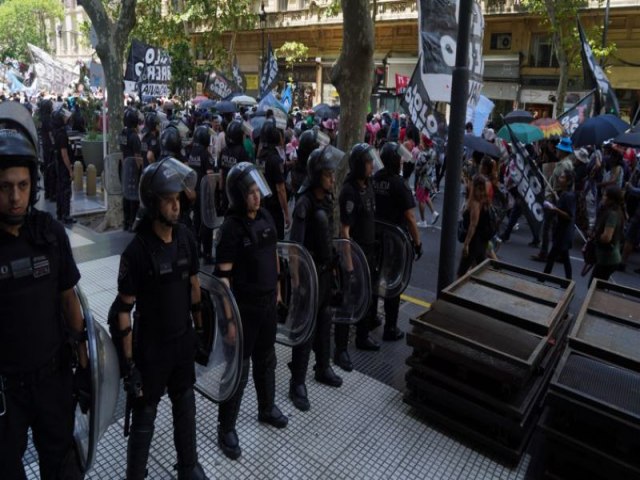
point(155, 89)
point(419, 112)
point(529, 186)
point(219, 87)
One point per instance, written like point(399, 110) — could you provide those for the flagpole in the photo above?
point(459, 94)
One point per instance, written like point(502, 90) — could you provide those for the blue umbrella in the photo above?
point(225, 106)
point(207, 104)
point(597, 130)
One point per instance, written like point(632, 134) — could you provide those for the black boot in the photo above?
point(367, 343)
point(391, 334)
point(139, 442)
point(327, 376)
point(298, 389)
point(192, 473)
point(183, 407)
point(264, 378)
point(227, 416)
point(342, 359)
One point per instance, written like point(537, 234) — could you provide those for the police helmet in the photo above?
point(239, 180)
point(235, 133)
point(392, 156)
point(202, 135)
point(19, 142)
point(151, 121)
point(362, 153)
point(323, 158)
point(170, 141)
point(166, 176)
point(59, 117)
point(269, 134)
point(45, 106)
point(308, 143)
point(131, 117)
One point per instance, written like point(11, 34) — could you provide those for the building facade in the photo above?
point(66, 37)
point(520, 68)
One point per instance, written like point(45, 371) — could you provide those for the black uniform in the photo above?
point(130, 146)
point(201, 161)
point(63, 183)
point(150, 143)
point(393, 198)
point(274, 174)
point(34, 358)
point(158, 275)
point(230, 156)
point(357, 210)
point(250, 245)
point(48, 157)
point(312, 226)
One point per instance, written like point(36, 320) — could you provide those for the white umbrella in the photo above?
point(244, 100)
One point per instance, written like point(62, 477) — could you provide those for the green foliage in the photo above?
point(182, 70)
point(24, 21)
point(293, 52)
point(333, 9)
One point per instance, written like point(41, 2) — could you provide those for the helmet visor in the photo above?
point(323, 139)
point(405, 154)
point(373, 156)
point(251, 177)
point(174, 176)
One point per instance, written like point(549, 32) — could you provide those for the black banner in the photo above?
point(527, 178)
point(578, 114)
point(238, 76)
point(593, 72)
point(418, 107)
point(219, 86)
point(148, 71)
point(269, 72)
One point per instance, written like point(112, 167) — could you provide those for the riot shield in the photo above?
point(299, 293)
point(131, 168)
point(219, 378)
point(394, 260)
point(351, 292)
point(208, 186)
point(105, 385)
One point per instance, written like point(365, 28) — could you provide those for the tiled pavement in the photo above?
point(361, 430)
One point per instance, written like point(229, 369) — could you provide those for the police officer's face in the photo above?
point(253, 199)
point(170, 206)
point(368, 168)
point(15, 189)
point(328, 179)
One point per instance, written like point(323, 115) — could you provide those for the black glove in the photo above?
point(82, 388)
point(417, 249)
point(202, 352)
point(282, 311)
point(133, 381)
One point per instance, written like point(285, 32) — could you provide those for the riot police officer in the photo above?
point(395, 205)
point(357, 221)
point(246, 259)
point(171, 146)
point(37, 276)
point(64, 168)
point(158, 273)
point(308, 143)
point(150, 139)
point(231, 155)
point(312, 227)
point(277, 204)
point(130, 146)
point(201, 161)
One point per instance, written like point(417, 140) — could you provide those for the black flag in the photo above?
point(238, 76)
point(578, 114)
point(418, 107)
point(594, 73)
point(269, 72)
point(528, 182)
point(219, 85)
point(148, 70)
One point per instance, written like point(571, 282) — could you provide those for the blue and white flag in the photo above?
point(269, 72)
point(238, 76)
point(286, 99)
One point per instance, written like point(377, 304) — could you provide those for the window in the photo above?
point(542, 54)
point(283, 5)
point(500, 41)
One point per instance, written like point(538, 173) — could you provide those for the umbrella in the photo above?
point(524, 132)
point(479, 144)
point(244, 100)
point(225, 106)
point(518, 116)
point(207, 104)
point(256, 123)
point(325, 111)
point(550, 127)
point(629, 139)
point(597, 130)
point(199, 99)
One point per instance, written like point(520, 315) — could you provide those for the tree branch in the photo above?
point(126, 21)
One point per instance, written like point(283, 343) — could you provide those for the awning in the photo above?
point(499, 67)
point(624, 77)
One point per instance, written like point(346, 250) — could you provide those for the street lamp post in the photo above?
point(263, 24)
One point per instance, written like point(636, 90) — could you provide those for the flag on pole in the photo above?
point(238, 76)
point(593, 72)
point(286, 99)
point(269, 72)
point(578, 114)
point(528, 182)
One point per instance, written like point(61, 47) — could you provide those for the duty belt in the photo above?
point(51, 367)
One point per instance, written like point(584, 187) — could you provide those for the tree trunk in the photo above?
point(352, 76)
point(112, 41)
point(561, 55)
